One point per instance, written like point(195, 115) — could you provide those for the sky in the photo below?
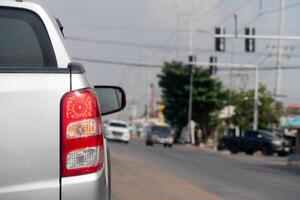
point(150, 31)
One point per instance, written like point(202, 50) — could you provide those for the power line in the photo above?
point(131, 64)
point(200, 32)
point(115, 42)
point(245, 3)
point(130, 44)
point(177, 48)
point(165, 44)
point(120, 28)
point(202, 16)
point(253, 19)
point(284, 8)
point(262, 68)
point(260, 14)
point(205, 13)
point(121, 63)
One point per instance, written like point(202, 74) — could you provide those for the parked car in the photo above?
point(118, 131)
point(160, 134)
point(52, 145)
point(252, 141)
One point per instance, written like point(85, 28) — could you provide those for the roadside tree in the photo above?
point(208, 96)
point(270, 110)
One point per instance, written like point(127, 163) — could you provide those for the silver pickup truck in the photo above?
point(52, 145)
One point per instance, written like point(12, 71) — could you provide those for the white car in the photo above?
point(118, 131)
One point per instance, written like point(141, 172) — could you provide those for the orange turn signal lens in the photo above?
point(83, 128)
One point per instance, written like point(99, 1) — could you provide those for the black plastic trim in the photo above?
point(123, 100)
point(76, 68)
point(35, 70)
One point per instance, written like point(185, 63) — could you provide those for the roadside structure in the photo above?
point(291, 125)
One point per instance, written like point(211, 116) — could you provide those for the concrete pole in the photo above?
point(191, 37)
point(190, 108)
point(177, 33)
point(279, 49)
point(230, 77)
point(149, 72)
point(190, 111)
point(260, 6)
point(256, 100)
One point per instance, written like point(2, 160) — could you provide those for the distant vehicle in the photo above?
point(159, 134)
point(118, 131)
point(252, 141)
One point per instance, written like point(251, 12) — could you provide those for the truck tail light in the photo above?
point(81, 133)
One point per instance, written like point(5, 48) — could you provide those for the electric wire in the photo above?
point(143, 65)
point(218, 4)
point(260, 14)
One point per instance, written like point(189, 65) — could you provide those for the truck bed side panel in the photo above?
point(29, 132)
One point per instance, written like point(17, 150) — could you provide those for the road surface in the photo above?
point(157, 173)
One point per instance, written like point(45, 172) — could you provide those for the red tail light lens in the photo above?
point(82, 138)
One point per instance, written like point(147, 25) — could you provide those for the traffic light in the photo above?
point(220, 41)
point(192, 60)
point(250, 42)
point(213, 67)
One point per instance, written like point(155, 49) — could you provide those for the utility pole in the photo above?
point(260, 6)
point(232, 61)
point(256, 102)
point(191, 60)
point(178, 29)
point(177, 33)
point(190, 111)
point(279, 49)
point(191, 37)
point(149, 81)
point(230, 79)
point(179, 16)
point(152, 100)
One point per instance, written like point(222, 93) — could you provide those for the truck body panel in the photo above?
point(29, 128)
point(30, 109)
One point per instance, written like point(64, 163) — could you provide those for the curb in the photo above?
point(294, 160)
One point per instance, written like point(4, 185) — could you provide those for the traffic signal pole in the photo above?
point(250, 37)
point(263, 37)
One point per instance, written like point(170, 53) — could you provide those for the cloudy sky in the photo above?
point(146, 31)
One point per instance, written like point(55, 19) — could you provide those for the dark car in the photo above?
point(159, 134)
point(252, 141)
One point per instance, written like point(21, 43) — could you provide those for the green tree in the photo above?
point(208, 96)
point(270, 110)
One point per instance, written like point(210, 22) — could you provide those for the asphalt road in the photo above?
point(193, 172)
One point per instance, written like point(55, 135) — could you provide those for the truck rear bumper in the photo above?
point(87, 187)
